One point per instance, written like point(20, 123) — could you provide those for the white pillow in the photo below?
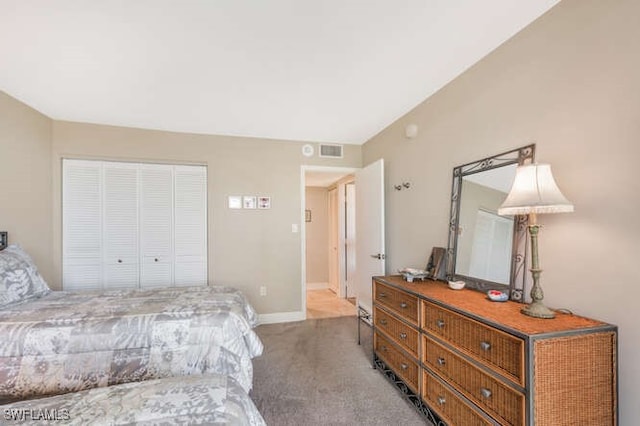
point(19, 277)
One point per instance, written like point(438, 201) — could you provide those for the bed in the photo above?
point(54, 342)
point(202, 399)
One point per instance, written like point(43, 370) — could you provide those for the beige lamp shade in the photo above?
point(534, 191)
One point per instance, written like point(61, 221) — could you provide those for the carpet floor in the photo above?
point(314, 372)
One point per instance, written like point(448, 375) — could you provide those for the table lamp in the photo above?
point(534, 192)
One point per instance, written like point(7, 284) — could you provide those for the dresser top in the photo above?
point(477, 304)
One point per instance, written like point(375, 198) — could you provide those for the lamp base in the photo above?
point(538, 310)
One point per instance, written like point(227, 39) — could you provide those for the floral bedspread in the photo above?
point(202, 399)
point(64, 342)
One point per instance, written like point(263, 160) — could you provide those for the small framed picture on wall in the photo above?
point(248, 202)
point(264, 202)
point(235, 202)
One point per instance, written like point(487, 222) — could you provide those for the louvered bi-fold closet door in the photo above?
point(156, 225)
point(190, 213)
point(130, 225)
point(81, 225)
point(120, 230)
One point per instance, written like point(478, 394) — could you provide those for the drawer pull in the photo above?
point(155, 260)
point(441, 361)
point(485, 346)
point(383, 321)
point(403, 336)
point(404, 366)
point(440, 323)
point(485, 392)
point(383, 348)
point(403, 305)
point(441, 400)
point(382, 295)
point(119, 260)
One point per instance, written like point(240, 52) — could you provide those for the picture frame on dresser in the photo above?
point(436, 263)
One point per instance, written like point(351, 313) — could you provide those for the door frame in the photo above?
point(333, 201)
point(303, 232)
point(349, 209)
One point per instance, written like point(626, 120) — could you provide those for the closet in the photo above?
point(133, 225)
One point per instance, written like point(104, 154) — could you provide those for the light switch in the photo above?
point(294, 228)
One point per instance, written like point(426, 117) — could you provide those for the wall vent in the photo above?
point(333, 151)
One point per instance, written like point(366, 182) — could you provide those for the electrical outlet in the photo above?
point(263, 290)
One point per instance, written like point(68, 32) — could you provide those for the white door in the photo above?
point(156, 225)
point(491, 248)
point(190, 213)
point(370, 230)
point(81, 225)
point(120, 226)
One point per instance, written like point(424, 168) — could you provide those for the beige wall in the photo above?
point(25, 180)
point(570, 82)
point(247, 248)
point(317, 235)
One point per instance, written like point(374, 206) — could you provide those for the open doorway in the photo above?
point(329, 241)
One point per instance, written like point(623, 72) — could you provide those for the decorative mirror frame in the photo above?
point(516, 286)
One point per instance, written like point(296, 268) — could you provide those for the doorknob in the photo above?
point(378, 256)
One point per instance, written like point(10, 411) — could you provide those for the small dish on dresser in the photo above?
point(456, 285)
point(497, 296)
point(410, 274)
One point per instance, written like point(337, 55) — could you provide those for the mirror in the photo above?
point(486, 250)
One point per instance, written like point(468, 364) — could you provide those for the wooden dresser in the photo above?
point(464, 360)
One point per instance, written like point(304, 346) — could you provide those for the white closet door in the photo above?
point(190, 207)
point(156, 225)
point(120, 231)
point(81, 225)
point(491, 247)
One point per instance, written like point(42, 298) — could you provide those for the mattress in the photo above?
point(64, 342)
point(202, 399)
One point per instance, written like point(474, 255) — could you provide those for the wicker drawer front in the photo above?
point(501, 351)
point(453, 410)
point(401, 333)
point(403, 303)
point(401, 364)
point(502, 402)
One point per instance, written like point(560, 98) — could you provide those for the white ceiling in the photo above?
point(309, 70)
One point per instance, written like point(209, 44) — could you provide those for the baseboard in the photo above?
point(317, 286)
point(279, 317)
